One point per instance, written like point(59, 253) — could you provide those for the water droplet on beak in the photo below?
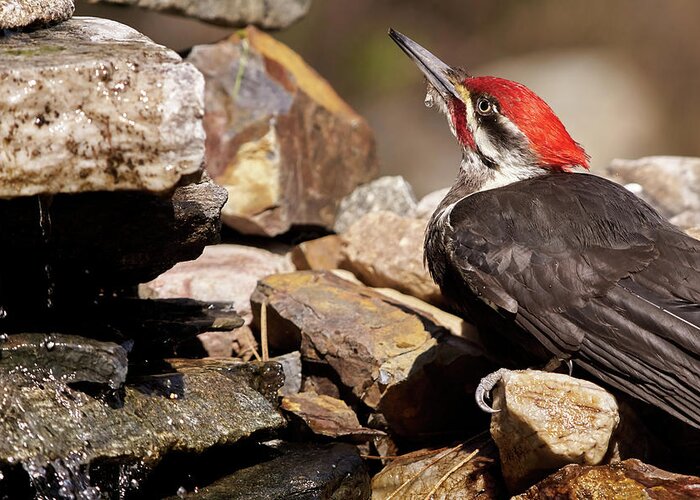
point(429, 100)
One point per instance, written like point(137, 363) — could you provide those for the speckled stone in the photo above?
point(93, 105)
point(270, 14)
point(18, 14)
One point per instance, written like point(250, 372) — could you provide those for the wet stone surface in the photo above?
point(270, 14)
point(18, 14)
point(49, 427)
point(93, 105)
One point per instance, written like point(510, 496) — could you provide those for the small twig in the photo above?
point(241, 69)
point(417, 474)
point(379, 457)
point(450, 472)
point(263, 331)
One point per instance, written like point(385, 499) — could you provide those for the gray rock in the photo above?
point(93, 105)
point(291, 365)
point(671, 184)
point(192, 407)
point(429, 203)
point(323, 472)
point(270, 14)
point(121, 239)
point(66, 358)
point(17, 14)
point(389, 193)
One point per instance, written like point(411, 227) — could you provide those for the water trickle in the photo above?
point(65, 478)
point(45, 226)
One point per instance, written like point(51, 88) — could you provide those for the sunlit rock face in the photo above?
point(281, 141)
point(270, 14)
point(93, 105)
point(18, 14)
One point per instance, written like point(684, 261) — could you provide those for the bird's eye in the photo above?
point(484, 106)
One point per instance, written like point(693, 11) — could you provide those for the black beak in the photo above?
point(437, 72)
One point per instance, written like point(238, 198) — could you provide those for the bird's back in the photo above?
point(588, 270)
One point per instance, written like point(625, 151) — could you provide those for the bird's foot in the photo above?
point(554, 363)
point(485, 387)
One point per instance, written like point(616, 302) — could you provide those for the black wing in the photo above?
point(593, 273)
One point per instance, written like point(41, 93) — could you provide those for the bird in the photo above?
point(567, 265)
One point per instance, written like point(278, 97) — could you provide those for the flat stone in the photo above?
point(195, 405)
point(123, 238)
point(93, 105)
point(320, 254)
point(223, 273)
point(324, 472)
point(65, 358)
point(327, 416)
point(387, 194)
point(279, 138)
point(671, 184)
point(548, 420)
point(628, 479)
point(395, 361)
point(468, 471)
point(271, 14)
point(18, 14)
point(386, 250)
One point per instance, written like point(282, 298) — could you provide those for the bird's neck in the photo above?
point(477, 173)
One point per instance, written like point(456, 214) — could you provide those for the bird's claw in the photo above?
point(485, 387)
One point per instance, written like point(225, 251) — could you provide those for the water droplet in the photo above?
point(3, 337)
point(50, 344)
point(429, 100)
point(3, 313)
point(181, 492)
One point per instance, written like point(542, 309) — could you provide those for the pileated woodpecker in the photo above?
point(572, 261)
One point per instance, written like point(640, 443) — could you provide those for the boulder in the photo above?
point(628, 479)
point(394, 361)
point(671, 184)
point(270, 14)
point(384, 249)
point(324, 472)
point(53, 429)
point(223, 273)
point(279, 139)
point(387, 194)
point(19, 14)
point(320, 254)
point(93, 105)
point(548, 420)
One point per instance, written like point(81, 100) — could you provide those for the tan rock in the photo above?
point(18, 14)
point(694, 232)
point(395, 361)
point(386, 250)
point(548, 420)
point(279, 138)
point(327, 416)
point(320, 254)
point(629, 479)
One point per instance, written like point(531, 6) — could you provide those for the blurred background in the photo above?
point(623, 76)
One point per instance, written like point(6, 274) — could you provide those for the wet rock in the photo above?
point(386, 250)
point(193, 406)
point(324, 472)
point(429, 203)
point(291, 365)
point(93, 105)
point(320, 254)
point(223, 273)
point(628, 479)
point(467, 472)
point(669, 183)
point(327, 416)
point(123, 238)
point(394, 361)
point(66, 358)
point(283, 143)
point(386, 194)
point(271, 14)
point(17, 14)
point(548, 420)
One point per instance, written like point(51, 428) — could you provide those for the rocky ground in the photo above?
point(309, 355)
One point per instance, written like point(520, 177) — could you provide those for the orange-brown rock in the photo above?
point(629, 479)
point(279, 138)
point(319, 254)
point(399, 363)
